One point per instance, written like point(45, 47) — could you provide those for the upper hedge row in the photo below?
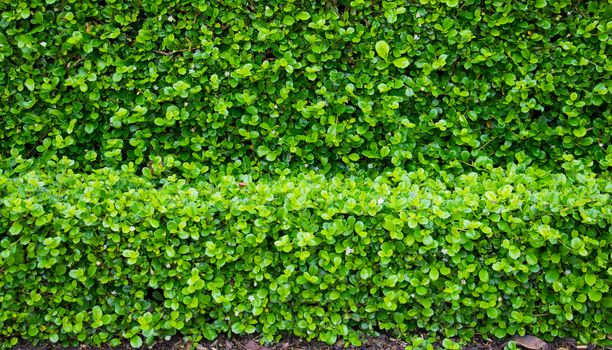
point(244, 84)
point(109, 255)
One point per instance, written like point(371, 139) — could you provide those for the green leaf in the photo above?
point(303, 16)
point(401, 62)
point(384, 151)
point(97, 313)
point(209, 332)
point(594, 295)
point(382, 49)
point(54, 338)
point(15, 228)
point(551, 276)
point(181, 86)
point(144, 36)
point(449, 344)
point(452, 3)
point(136, 341)
point(237, 328)
point(590, 279)
point(483, 275)
point(29, 83)
point(514, 252)
point(580, 132)
point(540, 4)
point(434, 274)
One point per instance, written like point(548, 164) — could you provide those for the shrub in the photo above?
point(455, 160)
point(254, 87)
point(101, 256)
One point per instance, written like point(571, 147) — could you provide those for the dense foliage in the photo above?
point(95, 257)
point(258, 86)
point(323, 168)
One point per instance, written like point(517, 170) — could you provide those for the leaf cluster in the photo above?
point(257, 88)
point(327, 169)
point(100, 256)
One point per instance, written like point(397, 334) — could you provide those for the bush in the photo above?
point(107, 255)
point(254, 87)
point(455, 160)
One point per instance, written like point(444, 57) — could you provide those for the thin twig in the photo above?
point(75, 63)
point(580, 12)
point(170, 53)
point(483, 146)
point(38, 142)
point(164, 52)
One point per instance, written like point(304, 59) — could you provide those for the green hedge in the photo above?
point(456, 157)
point(254, 86)
point(110, 255)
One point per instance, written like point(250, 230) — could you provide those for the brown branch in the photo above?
point(578, 9)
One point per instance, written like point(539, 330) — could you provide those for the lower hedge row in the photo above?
point(109, 255)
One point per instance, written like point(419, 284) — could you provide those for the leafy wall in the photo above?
point(327, 169)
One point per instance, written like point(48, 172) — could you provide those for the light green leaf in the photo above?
point(97, 312)
point(136, 341)
point(29, 83)
point(595, 295)
point(303, 16)
point(483, 275)
point(434, 274)
point(384, 151)
point(590, 279)
point(209, 332)
point(551, 276)
point(144, 36)
point(237, 327)
point(382, 48)
point(401, 62)
point(54, 338)
point(15, 228)
point(580, 132)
